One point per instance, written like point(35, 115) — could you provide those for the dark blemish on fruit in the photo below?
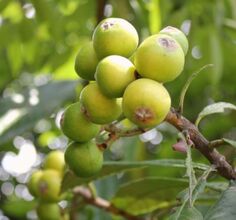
point(143, 114)
point(43, 187)
point(107, 25)
point(167, 43)
point(85, 112)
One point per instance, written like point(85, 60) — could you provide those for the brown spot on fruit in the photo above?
point(144, 114)
point(167, 43)
point(107, 25)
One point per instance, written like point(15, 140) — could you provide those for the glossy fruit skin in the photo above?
point(115, 36)
point(33, 182)
point(48, 211)
point(113, 74)
point(150, 107)
point(49, 186)
point(76, 126)
point(86, 61)
point(178, 35)
point(55, 161)
point(159, 57)
point(97, 107)
point(84, 159)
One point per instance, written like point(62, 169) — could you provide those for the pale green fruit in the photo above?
point(146, 103)
point(114, 73)
point(33, 182)
point(76, 125)
point(84, 159)
point(159, 57)
point(48, 211)
point(49, 186)
point(55, 160)
point(99, 108)
point(178, 35)
point(86, 61)
point(115, 36)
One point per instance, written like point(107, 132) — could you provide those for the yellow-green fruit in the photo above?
point(49, 186)
point(146, 103)
point(76, 126)
point(33, 182)
point(115, 36)
point(178, 35)
point(99, 108)
point(84, 159)
point(48, 211)
point(159, 57)
point(86, 61)
point(113, 74)
point(55, 160)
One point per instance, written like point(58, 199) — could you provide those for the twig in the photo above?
point(102, 203)
point(100, 9)
point(216, 143)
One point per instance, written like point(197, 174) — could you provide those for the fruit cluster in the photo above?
point(45, 185)
point(125, 79)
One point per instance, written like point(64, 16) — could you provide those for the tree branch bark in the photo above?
point(201, 144)
point(100, 9)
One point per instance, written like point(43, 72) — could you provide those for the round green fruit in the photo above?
point(113, 74)
point(84, 159)
point(150, 107)
point(86, 61)
point(115, 36)
point(49, 186)
point(55, 160)
point(33, 182)
point(48, 211)
point(99, 108)
point(159, 57)
point(76, 126)
point(178, 35)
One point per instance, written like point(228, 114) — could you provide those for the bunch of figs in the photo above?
point(125, 79)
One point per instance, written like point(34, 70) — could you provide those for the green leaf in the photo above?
point(218, 107)
point(187, 213)
point(17, 118)
point(225, 206)
point(145, 195)
point(230, 142)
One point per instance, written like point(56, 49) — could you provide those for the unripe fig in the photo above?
point(115, 36)
point(97, 107)
point(113, 74)
point(55, 161)
point(146, 102)
point(159, 57)
point(86, 61)
point(76, 126)
point(48, 211)
point(49, 186)
point(178, 35)
point(84, 159)
point(33, 182)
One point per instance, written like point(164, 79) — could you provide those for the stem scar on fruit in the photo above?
point(167, 43)
point(144, 114)
point(107, 25)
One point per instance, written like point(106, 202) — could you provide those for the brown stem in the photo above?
point(102, 203)
point(201, 144)
point(100, 9)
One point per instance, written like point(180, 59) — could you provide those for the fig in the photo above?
point(178, 35)
point(115, 36)
point(76, 125)
point(159, 57)
point(86, 61)
point(49, 186)
point(113, 74)
point(99, 108)
point(33, 182)
point(84, 159)
point(150, 107)
point(48, 211)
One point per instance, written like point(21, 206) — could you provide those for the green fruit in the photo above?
point(150, 106)
point(86, 61)
point(99, 108)
point(49, 186)
point(115, 36)
point(84, 159)
point(159, 57)
point(178, 35)
point(76, 126)
point(33, 182)
point(55, 160)
point(48, 211)
point(114, 73)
